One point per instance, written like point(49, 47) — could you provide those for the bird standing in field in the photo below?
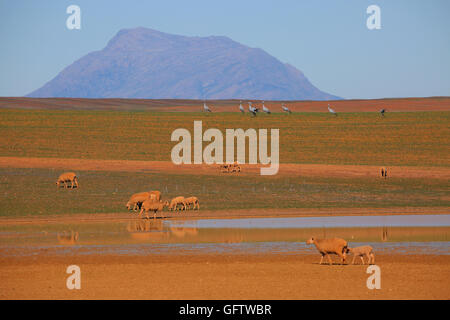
point(382, 111)
point(331, 110)
point(206, 108)
point(252, 109)
point(265, 109)
point(241, 108)
point(285, 109)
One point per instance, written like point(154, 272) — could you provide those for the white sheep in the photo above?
point(155, 194)
point(152, 205)
point(192, 200)
point(329, 246)
point(175, 202)
point(361, 252)
point(136, 200)
point(67, 177)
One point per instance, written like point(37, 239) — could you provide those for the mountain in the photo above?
point(145, 63)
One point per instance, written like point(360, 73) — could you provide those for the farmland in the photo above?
point(329, 166)
point(399, 139)
point(339, 146)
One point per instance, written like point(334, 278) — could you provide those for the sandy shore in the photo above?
point(285, 169)
point(223, 214)
point(262, 276)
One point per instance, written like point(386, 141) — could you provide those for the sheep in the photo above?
point(330, 246)
point(66, 238)
point(136, 200)
point(192, 200)
point(155, 194)
point(235, 168)
point(383, 172)
point(67, 177)
point(177, 201)
point(151, 205)
point(361, 252)
point(230, 168)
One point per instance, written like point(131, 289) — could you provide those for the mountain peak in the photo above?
point(146, 63)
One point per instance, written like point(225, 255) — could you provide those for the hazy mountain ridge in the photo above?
point(144, 63)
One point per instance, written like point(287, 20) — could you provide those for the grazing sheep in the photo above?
point(192, 200)
point(175, 202)
point(235, 168)
point(67, 177)
point(330, 246)
point(67, 238)
point(136, 200)
point(384, 172)
point(361, 252)
point(230, 168)
point(151, 205)
point(155, 194)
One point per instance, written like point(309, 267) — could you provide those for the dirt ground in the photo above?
point(263, 276)
point(225, 214)
point(215, 276)
point(168, 167)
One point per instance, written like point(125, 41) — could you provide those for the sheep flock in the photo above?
point(144, 202)
point(150, 201)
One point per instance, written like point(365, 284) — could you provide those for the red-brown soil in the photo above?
point(215, 276)
point(168, 167)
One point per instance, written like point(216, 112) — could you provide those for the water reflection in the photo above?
point(158, 229)
point(181, 232)
point(147, 229)
point(241, 234)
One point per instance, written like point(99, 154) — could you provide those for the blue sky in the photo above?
point(328, 40)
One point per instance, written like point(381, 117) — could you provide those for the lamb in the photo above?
point(192, 200)
point(151, 205)
point(136, 200)
point(361, 252)
point(330, 246)
point(177, 201)
point(67, 177)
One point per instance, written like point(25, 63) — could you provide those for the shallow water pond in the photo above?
point(402, 234)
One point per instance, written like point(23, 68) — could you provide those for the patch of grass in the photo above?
point(400, 138)
point(33, 192)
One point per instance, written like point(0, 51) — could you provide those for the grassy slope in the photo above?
point(32, 192)
point(406, 139)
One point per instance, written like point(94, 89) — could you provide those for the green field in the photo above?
point(400, 139)
point(33, 192)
